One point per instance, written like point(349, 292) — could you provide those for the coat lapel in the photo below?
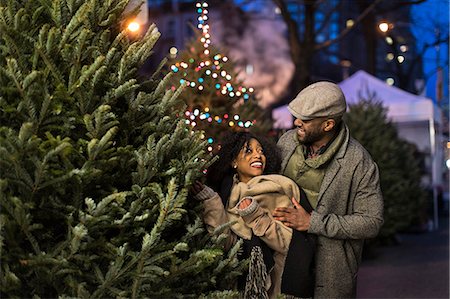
point(288, 149)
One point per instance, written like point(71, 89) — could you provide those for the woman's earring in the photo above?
point(235, 166)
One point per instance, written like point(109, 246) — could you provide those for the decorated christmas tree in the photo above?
point(96, 163)
point(400, 173)
point(217, 101)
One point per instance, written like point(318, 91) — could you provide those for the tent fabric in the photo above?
point(402, 106)
point(282, 118)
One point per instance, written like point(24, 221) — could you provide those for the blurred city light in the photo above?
point(349, 23)
point(383, 26)
point(404, 48)
point(134, 26)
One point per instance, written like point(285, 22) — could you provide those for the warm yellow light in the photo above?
point(349, 23)
point(384, 27)
point(400, 58)
point(390, 81)
point(173, 51)
point(134, 26)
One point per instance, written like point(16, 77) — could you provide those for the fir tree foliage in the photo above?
point(96, 164)
point(400, 173)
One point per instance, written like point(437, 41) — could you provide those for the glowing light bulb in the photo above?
point(173, 51)
point(133, 26)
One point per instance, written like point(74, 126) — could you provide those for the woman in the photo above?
point(245, 190)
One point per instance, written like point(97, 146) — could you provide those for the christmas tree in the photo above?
point(96, 163)
point(216, 99)
point(400, 172)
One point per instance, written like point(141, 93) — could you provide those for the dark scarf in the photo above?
point(298, 274)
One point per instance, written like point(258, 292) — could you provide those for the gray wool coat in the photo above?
point(349, 210)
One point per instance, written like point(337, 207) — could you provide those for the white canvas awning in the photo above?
point(402, 106)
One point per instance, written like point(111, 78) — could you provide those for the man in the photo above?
point(341, 182)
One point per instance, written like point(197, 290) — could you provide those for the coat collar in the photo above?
point(335, 165)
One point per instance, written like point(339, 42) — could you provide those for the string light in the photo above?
point(218, 58)
point(214, 67)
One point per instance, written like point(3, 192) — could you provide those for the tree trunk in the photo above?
point(369, 28)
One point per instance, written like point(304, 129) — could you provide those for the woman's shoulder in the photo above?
point(277, 178)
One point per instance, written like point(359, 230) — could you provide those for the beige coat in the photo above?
point(268, 192)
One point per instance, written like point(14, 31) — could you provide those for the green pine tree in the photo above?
point(400, 172)
point(217, 101)
point(96, 163)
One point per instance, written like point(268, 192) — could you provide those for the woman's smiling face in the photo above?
point(250, 161)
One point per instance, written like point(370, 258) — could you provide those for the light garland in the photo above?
point(211, 67)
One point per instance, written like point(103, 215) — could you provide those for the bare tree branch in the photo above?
point(348, 29)
point(398, 4)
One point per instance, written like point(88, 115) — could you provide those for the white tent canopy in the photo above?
point(402, 106)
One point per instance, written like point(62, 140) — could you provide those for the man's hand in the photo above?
point(296, 218)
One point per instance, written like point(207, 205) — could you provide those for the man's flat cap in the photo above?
point(320, 99)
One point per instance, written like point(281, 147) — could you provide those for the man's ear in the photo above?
point(329, 125)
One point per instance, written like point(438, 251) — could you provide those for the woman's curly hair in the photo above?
point(220, 173)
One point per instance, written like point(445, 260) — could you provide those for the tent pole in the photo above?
point(433, 172)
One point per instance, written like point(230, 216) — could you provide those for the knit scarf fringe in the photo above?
point(257, 276)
